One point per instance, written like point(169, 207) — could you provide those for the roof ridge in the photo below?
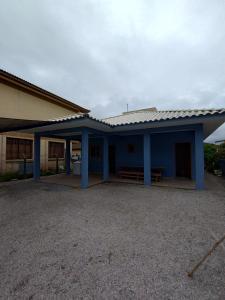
point(162, 111)
point(113, 117)
point(141, 110)
point(194, 109)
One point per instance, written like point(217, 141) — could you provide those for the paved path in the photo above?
point(112, 241)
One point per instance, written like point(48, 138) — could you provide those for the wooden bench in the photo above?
point(156, 176)
point(131, 174)
point(138, 173)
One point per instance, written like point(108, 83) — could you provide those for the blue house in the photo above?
point(140, 142)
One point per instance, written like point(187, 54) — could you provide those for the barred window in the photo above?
point(55, 150)
point(17, 148)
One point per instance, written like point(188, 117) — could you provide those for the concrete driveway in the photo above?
point(112, 241)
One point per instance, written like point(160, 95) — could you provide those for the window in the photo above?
point(55, 150)
point(17, 148)
point(76, 148)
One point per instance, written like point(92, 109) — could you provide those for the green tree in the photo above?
point(211, 159)
point(213, 154)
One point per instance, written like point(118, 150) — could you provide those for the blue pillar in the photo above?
point(199, 158)
point(105, 158)
point(84, 158)
point(37, 150)
point(147, 159)
point(68, 157)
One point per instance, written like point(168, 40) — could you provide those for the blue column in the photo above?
point(147, 159)
point(105, 158)
point(68, 157)
point(84, 158)
point(199, 158)
point(36, 163)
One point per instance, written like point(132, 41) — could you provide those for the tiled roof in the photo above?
point(145, 117)
point(76, 117)
point(68, 117)
point(152, 115)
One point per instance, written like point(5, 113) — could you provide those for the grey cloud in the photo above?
point(105, 54)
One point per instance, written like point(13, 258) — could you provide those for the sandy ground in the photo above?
point(112, 241)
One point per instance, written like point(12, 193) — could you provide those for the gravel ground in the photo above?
point(112, 241)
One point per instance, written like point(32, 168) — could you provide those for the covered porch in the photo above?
point(75, 133)
point(141, 141)
point(146, 149)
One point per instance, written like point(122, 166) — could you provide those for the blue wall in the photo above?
point(162, 147)
point(95, 164)
point(163, 150)
point(126, 159)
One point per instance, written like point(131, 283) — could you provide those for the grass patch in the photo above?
point(13, 176)
point(17, 176)
point(47, 173)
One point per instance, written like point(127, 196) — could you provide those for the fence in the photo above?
point(26, 167)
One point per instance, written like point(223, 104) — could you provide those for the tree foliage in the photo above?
point(213, 154)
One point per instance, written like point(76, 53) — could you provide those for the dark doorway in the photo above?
point(112, 159)
point(183, 160)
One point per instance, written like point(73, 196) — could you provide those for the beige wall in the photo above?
point(19, 105)
point(12, 166)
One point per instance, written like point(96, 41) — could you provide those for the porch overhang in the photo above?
point(11, 124)
point(69, 127)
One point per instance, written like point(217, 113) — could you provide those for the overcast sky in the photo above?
point(103, 54)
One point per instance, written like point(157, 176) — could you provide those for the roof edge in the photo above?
point(115, 127)
point(27, 87)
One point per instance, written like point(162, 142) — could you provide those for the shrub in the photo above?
point(213, 154)
point(12, 176)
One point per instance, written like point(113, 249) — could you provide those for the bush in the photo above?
point(12, 176)
point(213, 154)
point(47, 173)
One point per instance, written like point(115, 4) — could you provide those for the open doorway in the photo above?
point(183, 160)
